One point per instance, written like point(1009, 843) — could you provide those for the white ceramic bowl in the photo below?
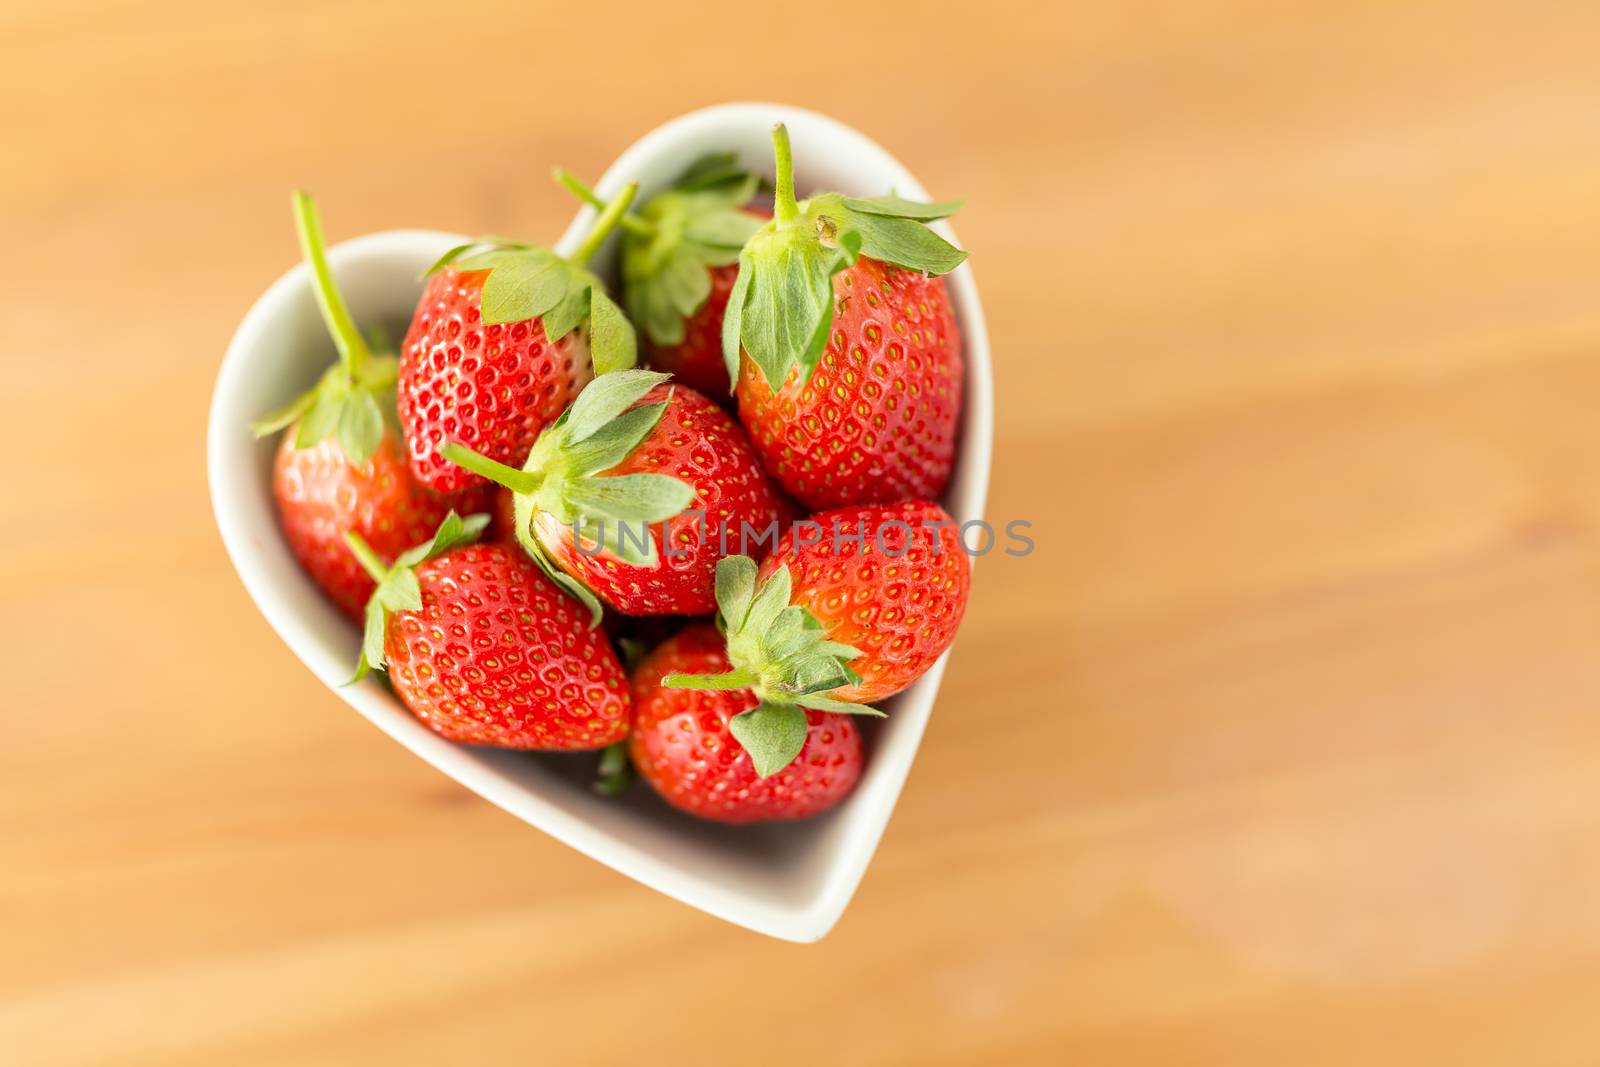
point(790, 881)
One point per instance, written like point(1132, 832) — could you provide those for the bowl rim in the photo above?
point(965, 501)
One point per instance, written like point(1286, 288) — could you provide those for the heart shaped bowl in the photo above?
point(791, 880)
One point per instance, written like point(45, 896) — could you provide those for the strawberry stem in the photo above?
point(365, 556)
point(738, 678)
point(630, 222)
point(353, 351)
point(608, 220)
point(784, 207)
point(524, 482)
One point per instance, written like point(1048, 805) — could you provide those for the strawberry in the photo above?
point(502, 340)
point(852, 606)
point(485, 651)
point(635, 492)
point(844, 347)
point(320, 494)
point(685, 742)
point(680, 256)
point(341, 465)
point(898, 594)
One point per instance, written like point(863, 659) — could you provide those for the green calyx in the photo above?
point(397, 582)
point(564, 476)
point(352, 397)
point(779, 652)
point(781, 307)
point(670, 246)
point(614, 772)
point(527, 282)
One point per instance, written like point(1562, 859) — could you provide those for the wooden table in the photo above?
point(1283, 748)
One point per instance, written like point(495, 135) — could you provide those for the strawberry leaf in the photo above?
point(401, 591)
point(522, 284)
point(735, 588)
point(459, 251)
point(371, 640)
point(716, 234)
point(322, 419)
point(772, 596)
point(612, 345)
point(710, 171)
point(661, 297)
point(279, 418)
point(614, 442)
point(896, 207)
point(733, 316)
point(568, 313)
point(606, 398)
point(823, 702)
point(905, 243)
point(773, 734)
point(453, 532)
point(360, 425)
point(634, 498)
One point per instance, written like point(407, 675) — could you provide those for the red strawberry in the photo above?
point(679, 259)
point(340, 466)
point(684, 744)
point(661, 482)
point(898, 595)
point(502, 340)
point(321, 494)
point(484, 650)
point(853, 605)
point(877, 419)
point(850, 380)
point(502, 515)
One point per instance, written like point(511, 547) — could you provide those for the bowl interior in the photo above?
point(788, 880)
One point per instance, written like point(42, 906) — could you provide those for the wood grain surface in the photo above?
point(1282, 748)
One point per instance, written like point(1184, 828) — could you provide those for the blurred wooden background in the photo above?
point(1283, 748)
